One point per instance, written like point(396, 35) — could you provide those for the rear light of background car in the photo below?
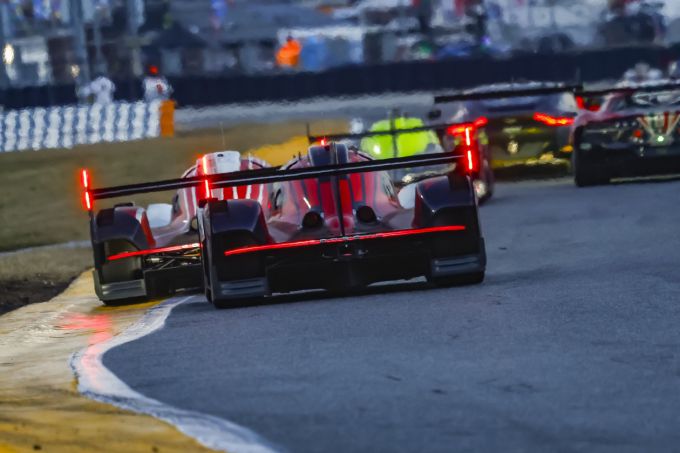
point(580, 102)
point(553, 120)
point(481, 121)
point(456, 130)
point(592, 104)
point(470, 154)
point(466, 133)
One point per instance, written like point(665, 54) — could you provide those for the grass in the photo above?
point(39, 264)
point(40, 202)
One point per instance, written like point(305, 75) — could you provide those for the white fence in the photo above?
point(67, 126)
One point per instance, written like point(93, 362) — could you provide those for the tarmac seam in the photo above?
point(97, 382)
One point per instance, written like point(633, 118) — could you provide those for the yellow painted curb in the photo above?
point(40, 407)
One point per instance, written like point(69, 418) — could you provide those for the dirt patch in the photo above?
point(39, 275)
point(17, 293)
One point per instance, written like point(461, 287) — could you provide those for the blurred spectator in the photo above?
point(98, 91)
point(288, 55)
point(156, 87)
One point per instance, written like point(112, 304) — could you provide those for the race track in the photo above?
point(572, 343)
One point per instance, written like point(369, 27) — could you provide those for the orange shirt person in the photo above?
point(288, 55)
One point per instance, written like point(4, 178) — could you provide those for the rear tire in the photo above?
point(585, 176)
point(225, 304)
point(472, 278)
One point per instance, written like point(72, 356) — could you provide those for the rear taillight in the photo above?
point(553, 120)
point(481, 121)
point(206, 183)
point(85, 181)
point(471, 149)
point(466, 136)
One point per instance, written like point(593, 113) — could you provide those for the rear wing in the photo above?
point(506, 93)
point(392, 131)
point(259, 176)
point(577, 90)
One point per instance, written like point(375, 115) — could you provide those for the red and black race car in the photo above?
point(636, 132)
point(330, 219)
point(335, 221)
point(148, 252)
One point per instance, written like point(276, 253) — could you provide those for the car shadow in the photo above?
point(654, 179)
point(318, 295)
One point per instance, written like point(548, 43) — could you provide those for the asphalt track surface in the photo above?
point(571, 344)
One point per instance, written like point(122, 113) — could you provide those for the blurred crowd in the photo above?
point(215, 37)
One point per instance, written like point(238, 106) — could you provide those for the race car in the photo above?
point(636, 132)
point(519, 129)
point(335, 220)
point(154, 251)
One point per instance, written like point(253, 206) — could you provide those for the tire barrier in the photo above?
point(68, 126)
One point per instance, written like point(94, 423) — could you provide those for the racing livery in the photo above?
point(147, 252)
point(636, 132)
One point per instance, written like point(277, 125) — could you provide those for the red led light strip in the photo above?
point(85, 179)
point(172, 248)
point(313, 242)
point(204, 164)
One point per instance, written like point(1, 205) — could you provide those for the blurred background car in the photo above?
point(519, 129)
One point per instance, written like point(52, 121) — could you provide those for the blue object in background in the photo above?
point(314, 54)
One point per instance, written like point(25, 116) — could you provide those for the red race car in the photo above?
point(332, 218)
point(148, 252)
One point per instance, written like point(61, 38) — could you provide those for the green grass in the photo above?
point(59, 264)
point(40, 190)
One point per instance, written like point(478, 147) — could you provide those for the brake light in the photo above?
point(341, 240)
point(204, 164)
point(470, 153)
point(206, 184)
point(457, 129)
point(481, 121)
point(553, 120)
point(85, 180)
point(323, 142)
